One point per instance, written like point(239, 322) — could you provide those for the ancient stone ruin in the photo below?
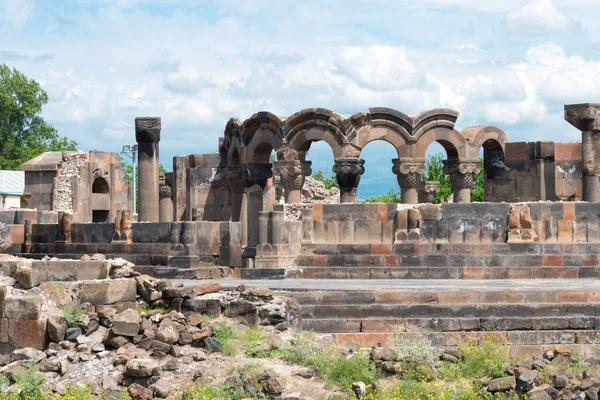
point(524, 264)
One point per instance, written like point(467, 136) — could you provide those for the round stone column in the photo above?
point(408, 173)
point(147, 135)
point(348, 172)
point(292, 175)
point(586, 118)
point(461, 178)
point(256, 176)
point(165, 194)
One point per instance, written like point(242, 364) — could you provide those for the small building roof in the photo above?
point(12, 182)
point(48, 161)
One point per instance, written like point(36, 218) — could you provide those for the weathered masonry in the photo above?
point(241, 207)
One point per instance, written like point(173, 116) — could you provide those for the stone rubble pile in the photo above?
point(114, 344)
point(313, 191)
point(63, 196)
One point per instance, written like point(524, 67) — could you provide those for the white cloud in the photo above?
point(378, 67)
point(187, 79)
point(559, 78)
point(539, 17)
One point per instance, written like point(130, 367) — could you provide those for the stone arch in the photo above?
point(315, 124)
point(261, 135)
point(493, 141)
point(486, 136)
point(451, 140)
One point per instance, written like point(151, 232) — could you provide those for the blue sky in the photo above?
point(510, 63)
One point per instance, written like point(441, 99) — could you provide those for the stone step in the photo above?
point(423, 272)
point(446, 295)
point(422, 325)
point(451, 310)
point(518, 343)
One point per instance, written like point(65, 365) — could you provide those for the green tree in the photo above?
point(434, 172)
point(23, 132)
point(392, 196)
point(328, 180)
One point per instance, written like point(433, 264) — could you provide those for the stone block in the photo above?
point(27, 333)
point(22, 306)
point(107, 291)
point(126, 323)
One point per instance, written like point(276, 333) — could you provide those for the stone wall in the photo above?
point(449, 241)
point(532, 171)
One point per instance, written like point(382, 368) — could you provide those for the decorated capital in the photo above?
point(348, 172)
point(147, 129)
point(257, 174)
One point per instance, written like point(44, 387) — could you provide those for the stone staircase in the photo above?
point(441, 261)
point(525, 315)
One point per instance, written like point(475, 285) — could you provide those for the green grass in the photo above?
point(486, 360)
point(146, 308)
point(330, 363)
point(72, 315)
point(225, 335)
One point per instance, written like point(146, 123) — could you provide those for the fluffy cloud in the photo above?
point(378, 67)
point(559, 78)
point(539, 17)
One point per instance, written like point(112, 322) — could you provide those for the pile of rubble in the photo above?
point(139, 333)
point(313, 191)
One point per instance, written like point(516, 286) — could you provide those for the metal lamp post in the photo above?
point(131, 152)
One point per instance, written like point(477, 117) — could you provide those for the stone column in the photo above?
point(147, 135)
point(408, 173)
point(235, 182)
point(292, 175)
point(256, 176)
point(586, 118)
point(165, 194)
point(428, 190)
point(461, 178)
point(348, 172)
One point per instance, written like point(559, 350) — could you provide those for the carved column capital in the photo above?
point(408, 172)
point(585, 117)
point(292, 173)
point(461, 173)
point(147, 129)
point(257, 174)
point(164, 190)
point(428, 190)
point(348, 172)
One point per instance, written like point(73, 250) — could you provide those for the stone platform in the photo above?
point(527, 315)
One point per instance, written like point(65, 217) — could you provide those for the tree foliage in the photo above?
point(329, 180)
point(23, 132)
point(434, 172)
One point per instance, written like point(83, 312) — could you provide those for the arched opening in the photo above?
point(102, 201)
point(439, 153)
point(379, 184)
point(100, 186)
point(322, 158)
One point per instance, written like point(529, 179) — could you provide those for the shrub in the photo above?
point(330, 363)
point(224, 335)
point(30, 382)
point(415, 348)
point(486, 360)
point(72, 315)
